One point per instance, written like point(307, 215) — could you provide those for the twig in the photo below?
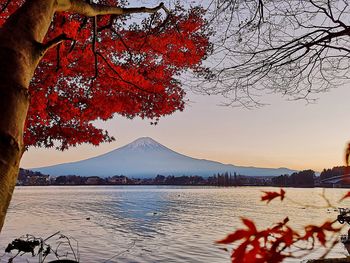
point(52, 235)
point(122, 252)
point(5, 6)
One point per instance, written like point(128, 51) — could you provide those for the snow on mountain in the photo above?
point(145, 157)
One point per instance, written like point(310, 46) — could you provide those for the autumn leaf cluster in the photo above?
point(126, 68)
point(274, 244)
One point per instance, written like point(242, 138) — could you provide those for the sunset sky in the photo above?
point(282, 134)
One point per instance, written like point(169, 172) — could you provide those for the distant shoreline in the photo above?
point(179, 185)
point(302, 179)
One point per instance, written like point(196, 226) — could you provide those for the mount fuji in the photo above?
point(145, 158)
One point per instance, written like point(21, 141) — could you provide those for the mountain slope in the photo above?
point(145, 157)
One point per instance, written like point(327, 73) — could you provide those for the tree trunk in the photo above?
point(20, 39)
point(14, 101)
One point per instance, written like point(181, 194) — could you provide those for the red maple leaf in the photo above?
point(272, 245)
point(260, 246)
point(269, 196)
point(319, 231)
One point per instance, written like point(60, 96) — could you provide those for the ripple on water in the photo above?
point(152, 224)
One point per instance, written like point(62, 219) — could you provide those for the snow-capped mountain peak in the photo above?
point(144, 143)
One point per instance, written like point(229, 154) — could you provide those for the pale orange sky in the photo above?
point(282, 134)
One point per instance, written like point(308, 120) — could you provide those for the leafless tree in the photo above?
point(293, 47)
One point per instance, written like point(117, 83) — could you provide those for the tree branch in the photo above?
point(4, 6)
point(53, 42)
point(83, 8)
point(121, 78)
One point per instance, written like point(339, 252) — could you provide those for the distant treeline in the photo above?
point(27, 177)
point(335, 171)
point(306, 178)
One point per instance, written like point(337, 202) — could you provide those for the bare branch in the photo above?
point(296, 48)
point(86, 9)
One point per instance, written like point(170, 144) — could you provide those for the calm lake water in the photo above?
point(152, 223)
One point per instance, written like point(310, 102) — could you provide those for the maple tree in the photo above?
point(67, 63)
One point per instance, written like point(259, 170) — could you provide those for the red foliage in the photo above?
point(269, 196)
point(319, 232)
point(272, 245)
point(261, 246)
point(136, 73)
point(347, 195)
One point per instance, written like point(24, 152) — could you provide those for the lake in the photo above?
point(155, 223)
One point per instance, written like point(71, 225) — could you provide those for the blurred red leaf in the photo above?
point(269, 196)
point(260, 246)
point(273, 244)
point(250, 224)
point(347, 195)
point(319, 231)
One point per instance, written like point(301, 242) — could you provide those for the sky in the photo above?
point(284, 133)
point(289, 134)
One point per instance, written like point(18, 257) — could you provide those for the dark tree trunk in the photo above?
point(20, 39)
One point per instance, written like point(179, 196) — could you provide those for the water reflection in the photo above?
point(151, 224)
